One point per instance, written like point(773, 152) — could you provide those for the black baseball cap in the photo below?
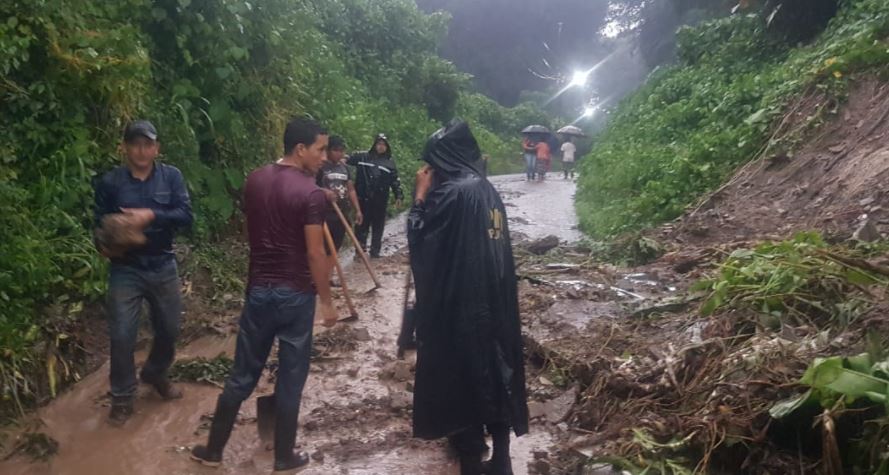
point(139, 127)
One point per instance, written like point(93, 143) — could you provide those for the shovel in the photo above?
point(265, 418)
point(353, 315)
point(358, 247)
point(406, 339)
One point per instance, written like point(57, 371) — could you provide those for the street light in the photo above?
point(580, 78)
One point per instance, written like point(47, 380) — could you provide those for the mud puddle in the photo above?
point(539, 209)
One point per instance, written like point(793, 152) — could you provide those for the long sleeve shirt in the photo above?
point(164, 192)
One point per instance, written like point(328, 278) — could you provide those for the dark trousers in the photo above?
point(374, 211)
point(568, 169)
point(271, 312)
point(128, 287)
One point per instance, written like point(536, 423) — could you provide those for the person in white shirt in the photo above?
point(568, 151)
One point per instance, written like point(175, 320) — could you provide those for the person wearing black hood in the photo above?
point(376, 174)
point(470, 374)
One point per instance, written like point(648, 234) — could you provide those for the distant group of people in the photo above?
point(538, 157)
point(470, 364)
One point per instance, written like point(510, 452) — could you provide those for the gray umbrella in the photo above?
point(535, 129)
point(571, 130)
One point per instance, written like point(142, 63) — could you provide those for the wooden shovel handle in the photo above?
point(358, 247)
point(339, 271)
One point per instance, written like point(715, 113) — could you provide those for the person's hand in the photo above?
point(330, 194)
point(398, 203)
point(424, 182)
point(328, 314)
point(359, 218)
point(139, 217)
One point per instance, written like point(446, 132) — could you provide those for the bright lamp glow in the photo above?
point(580, 78)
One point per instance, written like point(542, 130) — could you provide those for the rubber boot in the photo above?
point(471, 464)
point(220, 430)
point(500, 463)
point(121, 410)
point(406, 339)
point(286, 460)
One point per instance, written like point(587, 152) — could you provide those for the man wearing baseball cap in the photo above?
point(150, 198)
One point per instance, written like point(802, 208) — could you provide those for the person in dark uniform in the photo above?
point(375, 175)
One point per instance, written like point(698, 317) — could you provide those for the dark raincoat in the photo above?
point(470, 366)
point(375, 174)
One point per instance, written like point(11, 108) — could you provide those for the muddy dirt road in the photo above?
point(355, 416)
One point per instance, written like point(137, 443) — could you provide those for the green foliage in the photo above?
point(37, 446)
point(219, 78)
point(631, 249)
point(835, 383)
point(497, 129)
point(692, 124)
point(839, 379)
point(661, 458)
point(202, 370)
point(801, 280)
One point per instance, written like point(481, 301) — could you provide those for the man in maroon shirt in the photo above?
point(288, 267)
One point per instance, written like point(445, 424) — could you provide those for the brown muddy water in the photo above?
point(355, 416)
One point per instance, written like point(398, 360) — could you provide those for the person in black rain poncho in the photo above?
point(376, 173)
point(470, 369)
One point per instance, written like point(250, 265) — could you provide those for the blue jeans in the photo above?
point(128, 287)
point(530, 164)
point(271, 312)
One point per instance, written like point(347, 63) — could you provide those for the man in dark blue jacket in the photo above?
point(375, 175)
point(150, 197)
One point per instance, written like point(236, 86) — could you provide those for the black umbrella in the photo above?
point(571, 130)
point(535, 129)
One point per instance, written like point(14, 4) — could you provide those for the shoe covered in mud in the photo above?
point(202, 454)
point(164, 387)
point(295, 462)
point(121, 410)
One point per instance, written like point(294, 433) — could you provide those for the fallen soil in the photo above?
point(658, 383)
point(834, 183)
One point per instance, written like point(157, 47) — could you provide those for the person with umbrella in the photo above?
point(569, 150)
point(530, 156)
point(544, 158)
point(532, 136)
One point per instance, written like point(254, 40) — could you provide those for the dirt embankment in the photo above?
point(657, 383)
point(836, 182)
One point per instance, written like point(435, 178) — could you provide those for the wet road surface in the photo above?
point(355, 416)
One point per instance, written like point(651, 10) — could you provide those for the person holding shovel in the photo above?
point(288, 269)
point(335, 179)
point(139, 207)
point(470, 375)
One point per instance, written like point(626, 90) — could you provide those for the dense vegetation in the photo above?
point(692, 124)
point(219, 78)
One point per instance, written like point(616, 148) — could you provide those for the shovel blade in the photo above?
point(265, 417)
